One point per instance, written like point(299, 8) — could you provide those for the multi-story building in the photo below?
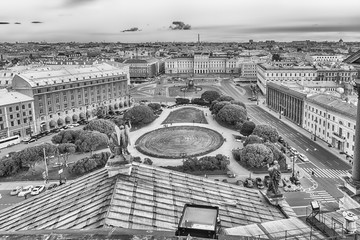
point(248, 70)
point(325, 58)
point(339, 74)
point(287, 99)
point(66, 95)
point(144, 68)
point(283, 73)
point(16, 114)
point(202, 63)
point(331, 119)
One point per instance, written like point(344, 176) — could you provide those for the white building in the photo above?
point(288, 72)
point(331, 119)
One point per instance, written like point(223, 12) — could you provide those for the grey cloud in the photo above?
point(17, 22)
point(4, 23)
point(36, 22)
point(75, 3)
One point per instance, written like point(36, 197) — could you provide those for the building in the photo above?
point(248, 70)
point(17, 114)
point(287, 100)
point(70, 93)
point(144, 68)
point(331, 119)
point(202, 63)
point(339, 74)
point(316, 59)
point(284, 72)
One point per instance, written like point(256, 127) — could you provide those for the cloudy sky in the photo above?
point(214, 20)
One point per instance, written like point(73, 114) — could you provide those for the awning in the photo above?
point(116, 105)
point(68, 119)
point(75, 117)
point(52, 123)
point(82, 115)
point(60, 121)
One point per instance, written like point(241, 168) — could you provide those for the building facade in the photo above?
point(288, 102)
point(73, 93)
point(332, 120)
point(344, 74)
point(16, 114)
point(284, 73)
point(202, 63)
point(144, 68)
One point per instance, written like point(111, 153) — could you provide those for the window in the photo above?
point(12, 123)
point(18, 115)
point(1, 119)
point(11, 116)
point(23, 106)
point(17, 108)
point(24, 113)
point(18, 121)
point(29, 105)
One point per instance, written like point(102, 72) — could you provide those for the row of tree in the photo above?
point(207, 163)
point(89, 164)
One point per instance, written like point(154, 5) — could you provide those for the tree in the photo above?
point(276, 57)
point(99, 112)
point(199, 101)
point(210, 96)
point(89, 141)
point(256, 155)
point(252, 139)
point(180, 101)
point(218, 106)
point(32, 155)
point(277, 154)
point(225, 98)
point(238, 103)
point(101, 125)
point(232, 114)
point(66, 149)
point(247, 128)
point(267, 132)
point(140, 115)
point(67, 136)
point(154, 106)
point(148, 161)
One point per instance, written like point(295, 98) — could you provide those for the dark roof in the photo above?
point(135, 61)
point(353, 58)
point(151, 198)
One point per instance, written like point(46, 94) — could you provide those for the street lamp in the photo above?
point(315, 128)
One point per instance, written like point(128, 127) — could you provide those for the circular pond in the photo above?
point(174, 142)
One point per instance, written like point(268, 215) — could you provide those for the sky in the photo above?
point(214, 20)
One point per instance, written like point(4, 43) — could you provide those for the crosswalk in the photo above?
point(326, 172)
point(321, 196)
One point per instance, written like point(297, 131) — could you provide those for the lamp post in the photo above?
point(293, 166)
point(315, 128)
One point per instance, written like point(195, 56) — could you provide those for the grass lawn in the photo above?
point(186, 115)
point(175, 91)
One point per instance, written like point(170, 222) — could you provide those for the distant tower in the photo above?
point(199, 39)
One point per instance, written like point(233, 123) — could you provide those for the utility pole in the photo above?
point(46, 168)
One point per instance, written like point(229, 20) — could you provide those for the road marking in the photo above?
point(326, 172)
point(322, 196)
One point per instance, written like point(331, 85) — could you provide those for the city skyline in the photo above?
point(217, 21)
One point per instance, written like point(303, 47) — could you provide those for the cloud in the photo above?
point(75, 3)
point(4, 23)
point(310, 28)
point(36, 22)
point(17, 22)
point(134, 29)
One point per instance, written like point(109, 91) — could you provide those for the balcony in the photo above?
point(338, 137)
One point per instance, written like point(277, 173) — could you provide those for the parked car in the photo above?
point(252, 98)
point(55, 130)
point(267, 180)
point(281, 140)
point(249, 183)
point(52, 186)
point(302, 157)
point(15, 191)
point(286, 182)
point(259, 183)
point(37, 190)
point(31, 140)
point(75, 124)
point(26, 190)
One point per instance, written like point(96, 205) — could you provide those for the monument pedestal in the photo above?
point(274, 199)
point(119, 164)
point(352, 185)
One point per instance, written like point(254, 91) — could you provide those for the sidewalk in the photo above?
point(319, 141)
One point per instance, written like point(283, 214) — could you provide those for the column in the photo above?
point(356, 165)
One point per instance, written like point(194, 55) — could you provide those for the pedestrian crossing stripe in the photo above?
point(322, 196)
point(326, 172)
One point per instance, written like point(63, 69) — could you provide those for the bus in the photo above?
point(6, 142)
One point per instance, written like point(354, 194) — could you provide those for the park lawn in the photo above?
point(175, 91)
point(186, 115)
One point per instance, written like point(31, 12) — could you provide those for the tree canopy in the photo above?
point(247, 128)
point(210, 96)
point(252, 139)
point(207, 163)
point(140, 114)
point(67, 136)
point(218, 106)
point(232, 114)
point(101, 125)
point(267, 132)
point(256, 155)
point(238, 103)
point(154, 106)
point(225, 98)
point(277, 154)
point(88, 141)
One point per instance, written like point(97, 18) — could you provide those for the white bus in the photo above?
point(6, 142)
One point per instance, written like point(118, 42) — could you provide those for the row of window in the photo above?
point(323, 114)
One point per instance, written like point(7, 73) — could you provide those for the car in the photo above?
point(281, 140)
point(75, 124)
point(302, 157)
point(259, 183)
point(37, 190)
point(252, 98)
point(249, 183)
point(231, 175)
point(52, 186)
point(286, 183)
point(26, 139)
point(15, 191)
point(26, 190)
point(267, 180)
point(293, 151)
point(31, 140)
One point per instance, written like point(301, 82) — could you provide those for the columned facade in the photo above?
point(356, 165)
point(286, 102)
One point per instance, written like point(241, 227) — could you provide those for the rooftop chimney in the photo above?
point(119, 164)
